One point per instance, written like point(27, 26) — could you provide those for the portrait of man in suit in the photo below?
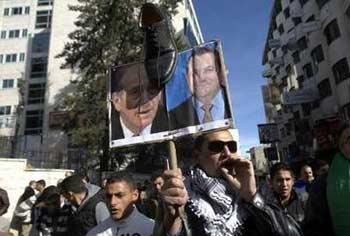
point(206, 82)
point(136, 103)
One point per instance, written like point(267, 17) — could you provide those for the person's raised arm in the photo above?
point(174, 196)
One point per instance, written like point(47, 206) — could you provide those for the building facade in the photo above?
point(259, 160)
point(32, 82)
point(306, 60)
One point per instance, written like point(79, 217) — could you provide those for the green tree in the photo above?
point(107, 33)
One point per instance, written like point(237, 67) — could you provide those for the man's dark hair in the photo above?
point(73, 183)
point(198, 142)
point(122, 176)
point(198, 51)
point(278, 167)
point(41, 182)
point(120, 76)
point(156, 174)
point(83, 175)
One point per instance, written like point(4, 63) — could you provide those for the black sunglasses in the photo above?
point(218, 146)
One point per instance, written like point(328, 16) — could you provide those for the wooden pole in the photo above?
point(172, 153)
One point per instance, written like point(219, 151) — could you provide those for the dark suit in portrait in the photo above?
point(159, 124)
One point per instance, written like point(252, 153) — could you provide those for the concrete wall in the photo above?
point(15, 176)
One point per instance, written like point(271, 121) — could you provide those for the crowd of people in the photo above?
point(217, 195)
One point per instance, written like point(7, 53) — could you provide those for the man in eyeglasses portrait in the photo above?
point(217, 196)
point(137, 107)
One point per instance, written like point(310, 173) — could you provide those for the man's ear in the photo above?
point(116, 100)
point(135, 195)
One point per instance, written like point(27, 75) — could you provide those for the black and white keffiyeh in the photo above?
point(214, 203)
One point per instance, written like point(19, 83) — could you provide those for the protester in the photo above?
point(282, 180)
point(125, 219)
point(4, 205)
point(328, 208)
point(40, 185)
point(90, 208)
point(24, 209)
point(4, 201)
point(303, 184)
point(28, 192)
point(218, 196)
point(49, 216)
point(16, 222)
point(321, 167)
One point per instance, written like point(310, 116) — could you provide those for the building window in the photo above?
point(36, 93)
point(1, 58)
point(311, 18)
point(321, 3)
point(284, 81)
point(6, 11)
point(11, 58)
point(302, 43)
point(16, 11)
point(21, 56)
point(24, 33)
point(43, 19)
point(45, 2)
point(297, 20)
point(274, 53)
point(307, 69)
point(286, 13)
point(300, 80)
point(303, 2)
point(34, 122)
point(289, 69)
point(8, 83)
point(5, 110)
point(39, 67)
point(324, 88)
point(40, 43)
point(317, 54)
point(281, 29)
point(277, 69)
point(296, 57)
point(332, 31)
point(3, 34)
point(14, 34)
point(27, 10)
point(341, 70)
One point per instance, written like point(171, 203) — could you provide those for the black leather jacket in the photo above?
point(294, 207)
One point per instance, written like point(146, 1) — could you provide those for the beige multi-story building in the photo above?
point(306, 60)
point(32, 84)
point(259, 160)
